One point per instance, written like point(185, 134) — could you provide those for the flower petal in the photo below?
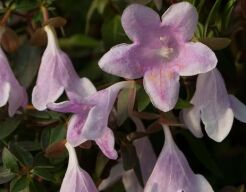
point(195, 58)
point(173, 173)
point(103, 100)
point(4, 90)
point(69, 107)
point(17, 98)
point(122, 60)
point(76, 179)
point(182, 18)
point(106, 144)
point(162, 86)
point(212, 99)
point(239, 109)
point(139, 22)
point(192, 119)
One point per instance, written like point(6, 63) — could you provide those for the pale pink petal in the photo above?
point(172, 172)
point(4, 90)
point(182, 18)
point(162, 86)
point(139, 22)
point(192, 119)
point(76, 179)
point(106, 144)
point(239, 109)
point(69, 107)
point(195, 58)
point(122, 60)
point(103, 101)
point(212, 99)
point(17, 98)
point(130, 182)
point(78, 90)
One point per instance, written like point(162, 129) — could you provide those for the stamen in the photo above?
point(166, 52)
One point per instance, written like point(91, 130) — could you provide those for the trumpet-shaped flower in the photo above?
point(76, 179)
point(90, 119)
point(56, 74)
point(10, 89)
point(172, 172)
point(160, 52)
point(214, 107)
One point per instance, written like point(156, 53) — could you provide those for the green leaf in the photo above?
point(52, 134)
point(211, 16)
point(19, 184)
point(43, 172)
point(22, 155)
point(26, 63)
point(79, 40)
point(8, 126)
point(5, 175)
point(182, 104)
point(122, 106)
point(9, 160)
point(112, 32)
point(30, 145)
point(142, 99)
point(216, 43)
point(101, 162)
point(226, 15)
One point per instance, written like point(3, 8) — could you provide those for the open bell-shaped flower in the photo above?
point(76, 179)
point(10, 89)
point(90, 117)
point(214, 107)
point(160, 52)
point(172, 172)
point(55, 75)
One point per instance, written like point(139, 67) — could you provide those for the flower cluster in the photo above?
point(161, 53)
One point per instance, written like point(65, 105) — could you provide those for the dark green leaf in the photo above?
point(142, 99)
point(19, 184)
point(9, 160)
point(122, 106)
point(8, 126)
point(182, 104)
point(5, 175)
point(44, 172)
point(216, 43)
point(30, 145)
point(100, 164)
point(24, 157)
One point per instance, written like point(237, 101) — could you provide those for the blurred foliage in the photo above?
point(33, 157)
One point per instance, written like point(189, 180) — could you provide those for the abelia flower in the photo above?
point(10, 89)
point(172, 172)
point(160, 52)
point(214, 107)
point(147, 160)
point(55, 75)
point(76, 179)
point(90, 117)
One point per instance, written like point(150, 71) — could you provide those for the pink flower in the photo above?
point(56, 74)
point(214, 107)
point(160, 52)
point(76, 179)
point(10, 89)
point(90, 119)
point(172, 172)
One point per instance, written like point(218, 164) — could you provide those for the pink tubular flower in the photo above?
point(10, 89)
point(214, 107)
point(76, 179)
point(56, 74)
point(172, 172)
point(160, 51)
point(90, 119)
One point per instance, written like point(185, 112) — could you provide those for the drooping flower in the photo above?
point(172, 172)
point(147, 160)
point(90, 119)
point(160, 52)
point(214, 107)
point(76, 179)
point(10, 89)
point(56, 74)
